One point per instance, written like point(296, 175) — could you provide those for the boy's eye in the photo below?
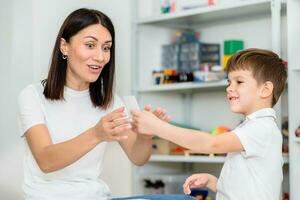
point(239, 82)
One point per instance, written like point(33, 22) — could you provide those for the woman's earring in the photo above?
point(64, 57)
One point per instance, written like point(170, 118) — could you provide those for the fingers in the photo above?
point(116, 114)
point(162, 114)
point(147, 107)
point(193, 181)
point(120, 133)
point(186, 189)
point(119, 122)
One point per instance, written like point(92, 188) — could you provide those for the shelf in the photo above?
point(185, 86)
point(194, 159)
point(210, 13)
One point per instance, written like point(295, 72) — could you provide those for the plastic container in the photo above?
point(173, 183)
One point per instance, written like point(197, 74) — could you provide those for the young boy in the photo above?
point(253, 166)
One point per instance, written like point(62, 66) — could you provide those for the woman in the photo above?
point(68, 118)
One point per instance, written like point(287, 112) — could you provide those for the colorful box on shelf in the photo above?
point(164, 147)
point(230, 48)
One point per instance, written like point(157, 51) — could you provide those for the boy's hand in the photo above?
point(145, 122)
point(196, 181)
point(139, 117)
point(159, 112)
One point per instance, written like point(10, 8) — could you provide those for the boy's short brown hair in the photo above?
point(265, 66)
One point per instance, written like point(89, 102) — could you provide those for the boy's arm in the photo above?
point(198, 141)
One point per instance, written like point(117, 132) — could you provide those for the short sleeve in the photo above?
point(30, 109)
point(255, 138)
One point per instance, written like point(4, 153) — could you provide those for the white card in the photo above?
point(130, 104)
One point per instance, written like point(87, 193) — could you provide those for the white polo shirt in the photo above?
point(256, 172)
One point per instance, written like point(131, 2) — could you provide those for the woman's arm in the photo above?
point(138, 147)
point(51, 157)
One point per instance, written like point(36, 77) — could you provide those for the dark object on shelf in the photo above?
point(159, 197)
point(156, 187)
point(286, 196)
point(297, 132)
point(285, 136)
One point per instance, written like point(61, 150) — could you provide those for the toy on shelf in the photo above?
point(219, 130)
point(297, 132)
point(285, 137)
point(230, 48)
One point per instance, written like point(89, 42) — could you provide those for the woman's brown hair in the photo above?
point(101, 91)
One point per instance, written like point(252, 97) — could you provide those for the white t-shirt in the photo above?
point(255, 173)
point(65, 120)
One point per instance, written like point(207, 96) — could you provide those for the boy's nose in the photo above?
point(229, 88)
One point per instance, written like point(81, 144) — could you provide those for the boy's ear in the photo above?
point(63, 46)
point(267, 89)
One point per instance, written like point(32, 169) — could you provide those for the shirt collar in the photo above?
point(265, 112)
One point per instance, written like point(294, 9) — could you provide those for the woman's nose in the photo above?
point(99, 55)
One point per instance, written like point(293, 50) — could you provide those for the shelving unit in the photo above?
point(194, 159)
point(254, 21)
point(293, 30)
point(184, 87)
point(210, 13)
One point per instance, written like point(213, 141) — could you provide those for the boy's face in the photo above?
point(243, 92)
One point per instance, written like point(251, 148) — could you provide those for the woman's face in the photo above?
point(87, 53)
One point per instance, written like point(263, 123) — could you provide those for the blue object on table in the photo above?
point(159, 197)
point(197, 191)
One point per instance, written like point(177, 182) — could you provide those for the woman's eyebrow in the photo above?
point(89, 36)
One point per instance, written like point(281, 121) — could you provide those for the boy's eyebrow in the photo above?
point(237, 77)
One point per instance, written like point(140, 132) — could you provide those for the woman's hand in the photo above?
point(112, 126)
point(199, 181)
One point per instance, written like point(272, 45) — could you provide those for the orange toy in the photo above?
point(219, 130)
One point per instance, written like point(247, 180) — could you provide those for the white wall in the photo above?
point(28, 32)
point(10, 178)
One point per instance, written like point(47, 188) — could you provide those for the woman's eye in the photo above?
point(107, 48)
point(90, 45)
